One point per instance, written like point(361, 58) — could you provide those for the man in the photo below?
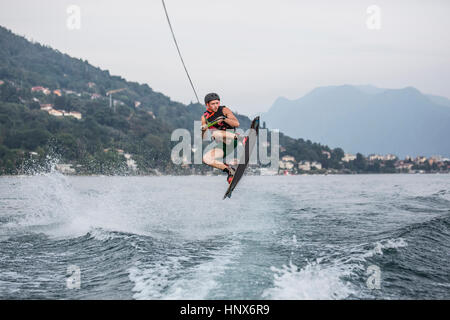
point(219, 119)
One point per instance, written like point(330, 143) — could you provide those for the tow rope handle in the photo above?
point(210, 124)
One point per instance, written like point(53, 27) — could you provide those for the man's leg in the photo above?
point(223, 136)
point(210, 158)
point(226, 139)
point(229, 143)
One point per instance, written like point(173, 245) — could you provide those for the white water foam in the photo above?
point(325, 281)
point(169, 279)
point(386, 244)
point(58, 206)
point(314, 281)
point(68, 207)
point(102, 235)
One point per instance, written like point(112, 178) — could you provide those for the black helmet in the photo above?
point(211, 96)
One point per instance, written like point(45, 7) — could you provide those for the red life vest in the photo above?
point(211, 116)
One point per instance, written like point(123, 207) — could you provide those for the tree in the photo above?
point(360, 162)
point(8, 93)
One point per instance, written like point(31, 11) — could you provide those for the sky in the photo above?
point(249, 52)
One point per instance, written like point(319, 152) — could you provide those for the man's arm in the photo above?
point(231, 119)
point(204, 128)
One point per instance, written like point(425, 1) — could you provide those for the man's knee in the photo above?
point(217, 135)
point(207, 159)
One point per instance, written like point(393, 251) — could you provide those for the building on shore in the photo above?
point(288, 158)
point(420, 159)
point(316, 165)
point(373, 157)
point(267, 172)
point(286, 165)
point(403, 166)
point(304, 165)
point(348, 157)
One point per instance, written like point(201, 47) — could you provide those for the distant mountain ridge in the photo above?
point(434, 98)
point(367, 119)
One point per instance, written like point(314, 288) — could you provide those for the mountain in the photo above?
point(439, 100)
point(367, 119)
point(435, 99)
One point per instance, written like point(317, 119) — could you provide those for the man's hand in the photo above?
point(217, 121)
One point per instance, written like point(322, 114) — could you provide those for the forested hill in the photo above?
point(51, 103)
point(31, 64)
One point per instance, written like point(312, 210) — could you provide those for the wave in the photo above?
point(140, 240)
point(416, 251)
point(439, 226)
point(333, 276)
point(63, 207)
point(181, 276)
point(67, 207)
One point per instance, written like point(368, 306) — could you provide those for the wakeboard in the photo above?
point(249, 145)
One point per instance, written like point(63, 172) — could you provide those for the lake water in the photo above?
point(280, 237)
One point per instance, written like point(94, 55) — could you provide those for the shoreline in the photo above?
point(218, 174)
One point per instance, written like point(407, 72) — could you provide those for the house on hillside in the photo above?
point(46, 107)
point(348, 157)
point(74, 114)
point(56, 113)
point(45, 91)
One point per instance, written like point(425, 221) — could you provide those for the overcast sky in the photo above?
point(250, 52)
